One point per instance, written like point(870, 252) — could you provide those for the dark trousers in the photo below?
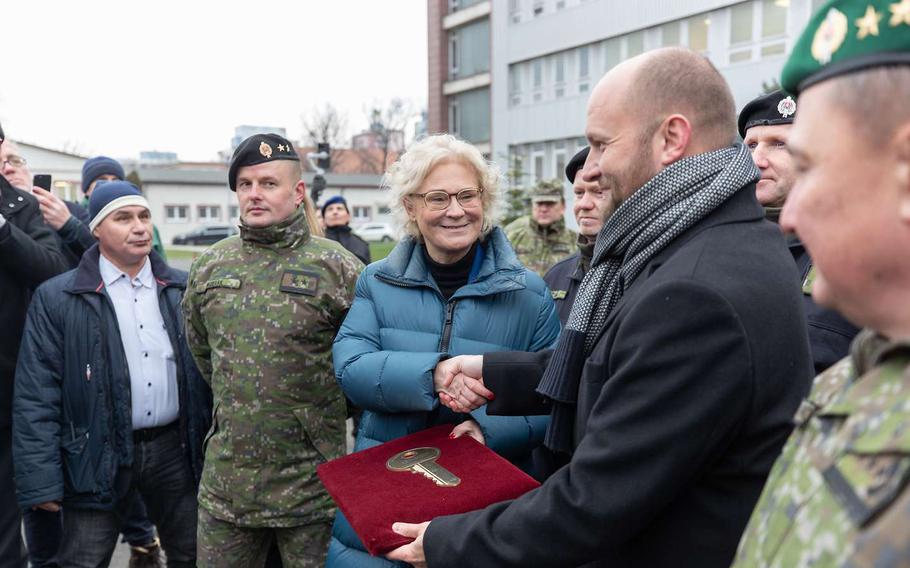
point(12, 550)
point(44, 532)
point(161, 475)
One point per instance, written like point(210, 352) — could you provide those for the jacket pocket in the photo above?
point(316, 437)
point(77, 462)
point(872, 471)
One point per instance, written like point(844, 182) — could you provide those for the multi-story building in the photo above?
point(544, 57)
point(459, 69)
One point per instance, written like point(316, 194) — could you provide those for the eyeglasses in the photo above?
point(439, 199)
point(14, 161)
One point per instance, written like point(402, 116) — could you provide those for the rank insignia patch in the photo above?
point(299, 282)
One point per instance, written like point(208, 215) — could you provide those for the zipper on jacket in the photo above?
point(447, 327)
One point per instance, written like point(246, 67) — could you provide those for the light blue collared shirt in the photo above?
point(149, 354)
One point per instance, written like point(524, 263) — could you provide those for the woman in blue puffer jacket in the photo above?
point(452, 286)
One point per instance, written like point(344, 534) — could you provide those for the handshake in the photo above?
point(459, 383)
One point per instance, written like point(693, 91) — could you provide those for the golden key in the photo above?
point(423, 460)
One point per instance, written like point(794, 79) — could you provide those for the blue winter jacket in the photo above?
point(72, 409)
point(398, 329)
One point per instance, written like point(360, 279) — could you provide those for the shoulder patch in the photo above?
point(300, 282)
point(230, 283)
point(558, 294)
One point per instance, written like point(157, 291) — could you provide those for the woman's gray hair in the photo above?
point(407, 174)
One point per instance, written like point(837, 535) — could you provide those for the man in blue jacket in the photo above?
point(108, 401)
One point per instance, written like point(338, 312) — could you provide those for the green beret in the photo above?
point(547, 191)
point(845, 36)
point(258, 149)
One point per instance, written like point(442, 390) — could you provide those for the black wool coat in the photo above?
point(683, 406)
point(29, 255)
point(351, 242)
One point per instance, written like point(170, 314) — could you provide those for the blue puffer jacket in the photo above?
point(398, 329)
point(72, 409)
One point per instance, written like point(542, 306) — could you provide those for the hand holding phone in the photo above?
point(43, 181)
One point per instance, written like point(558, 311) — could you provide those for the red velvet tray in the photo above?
point(372, 497)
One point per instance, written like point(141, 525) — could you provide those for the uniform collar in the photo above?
point(870, 350)
point(289, 233)
point(555, 227)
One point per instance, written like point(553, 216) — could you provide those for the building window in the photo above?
point(741, 32)
point(635, 44)
point(559, 63)
point(208, 213)
point(453, 117)
point(584, 65)
point(612, 53)
point(538, 7)
point(515, 11)
point(537, 78)
point(560, 4)
point(383, 210)
point(473, 115)
point(360, 213)
point(559, 163)
point(234, 212)
point(698, 33)
point(176, 213)
point(453, 55)
point(537, 161)
point(669, 34)
point(773, 27)
point(515, 85)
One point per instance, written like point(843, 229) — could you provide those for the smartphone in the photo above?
point(43, 181)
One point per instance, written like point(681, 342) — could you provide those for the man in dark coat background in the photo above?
point(681, 403)
point(337, 219)
point(590, 207)
point(765, 124)
point(28, 256)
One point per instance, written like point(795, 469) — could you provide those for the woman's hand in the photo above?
point(471, 428)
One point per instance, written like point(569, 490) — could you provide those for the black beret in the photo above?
point(774, 108)
point(258, 149)
point(576, 163)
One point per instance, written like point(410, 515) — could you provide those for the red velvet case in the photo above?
point(372, 497)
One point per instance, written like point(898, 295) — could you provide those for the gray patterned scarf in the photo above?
point(665, 207)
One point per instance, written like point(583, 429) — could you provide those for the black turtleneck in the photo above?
point(451, 277)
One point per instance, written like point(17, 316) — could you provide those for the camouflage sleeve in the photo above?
point(196, 334)
point(350, 270)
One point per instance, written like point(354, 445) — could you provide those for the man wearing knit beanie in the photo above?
point(138, 431)
point(337, 220)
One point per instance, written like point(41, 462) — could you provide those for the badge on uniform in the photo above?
point(558, 294)
point(299, 282)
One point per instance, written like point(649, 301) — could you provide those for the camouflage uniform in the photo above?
point(262, 310)
point(838, 495)
point(539, 247)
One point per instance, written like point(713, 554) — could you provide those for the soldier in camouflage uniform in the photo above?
point(262, 310)
point(542, 239)
point(839, 493)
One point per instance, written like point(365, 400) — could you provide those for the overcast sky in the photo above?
point(117, 77)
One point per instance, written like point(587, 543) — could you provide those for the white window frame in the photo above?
point(177, 219)
point(453, 54)
point(207, 209)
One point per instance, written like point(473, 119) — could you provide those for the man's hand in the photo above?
point(411, 553)
point(459, 382)
point(53, 209)
point(51, 506)
point(471, 428)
